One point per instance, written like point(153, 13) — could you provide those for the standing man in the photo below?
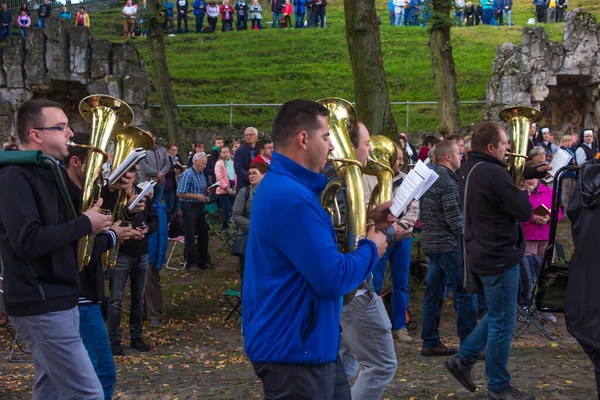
point(244, 156)
point(155, 166)
point(294, 276)
point(299, 11)
point(215, 154)
point(37, 243)
point(182, 14)
point(442, 227)
point(265, 151)
point(587, 150)
point(192, 193)
point(43, 13)
point(276, 7)
point(494, 255)
point(199, 13)
point(5, 20)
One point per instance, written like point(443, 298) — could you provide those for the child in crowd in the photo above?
point(83, 18)
point(24, 22)
point(287, 12)
point(256, 18)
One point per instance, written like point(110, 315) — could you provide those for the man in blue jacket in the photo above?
point(199, 12)
point(299, 10)
point(244, 156)
point(295, 276)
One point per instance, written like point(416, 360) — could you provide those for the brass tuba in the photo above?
point(381, 160)
point(105, 114)
point(342, 121)
point(126, 140)
point(519, 121)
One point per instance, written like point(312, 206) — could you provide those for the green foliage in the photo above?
point(274, 66)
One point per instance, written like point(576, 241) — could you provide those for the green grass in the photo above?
point(274, 66)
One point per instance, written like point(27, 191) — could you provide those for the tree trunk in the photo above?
point(370, 87)
point(443, 68)
point(160, 73)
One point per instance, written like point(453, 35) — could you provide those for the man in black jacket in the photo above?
point(244, 156)
point(40, 266)
point(581, 312)
point(43, 13)
point(182, 13)
point(5, 21)
point(495, 246)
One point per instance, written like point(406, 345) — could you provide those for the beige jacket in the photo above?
point(410, 217)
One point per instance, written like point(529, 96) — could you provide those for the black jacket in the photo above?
point(48, 9)
point(36, 243)
point(582, 314)
point(6, 17)
point(148, 217)
point(243, 157)
point(495, 210)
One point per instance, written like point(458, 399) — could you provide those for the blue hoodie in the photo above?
point(294, 276)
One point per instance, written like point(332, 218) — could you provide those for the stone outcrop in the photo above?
point(560, 79)
point(65, 64)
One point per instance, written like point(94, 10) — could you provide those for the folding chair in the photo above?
point(234, 298)
point(179, 239)
point(15, 340)
point(213, 219)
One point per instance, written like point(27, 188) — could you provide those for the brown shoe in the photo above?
point(441, 351)
point(402, 336)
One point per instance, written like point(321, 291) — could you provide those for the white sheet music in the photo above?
point(416, 183)
point(559, 160)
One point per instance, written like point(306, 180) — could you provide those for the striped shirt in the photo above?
point(84, 301)
point(191, 182)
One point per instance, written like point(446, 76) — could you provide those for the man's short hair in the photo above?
point(445, 147)
point(262, 143)
point(486, 133)
point(455, 138)
point(76, 151)
point(261, 166)
point(29, 116)
point(296, 116)
point(198, 156)
point(217, 138)
point(355, 134)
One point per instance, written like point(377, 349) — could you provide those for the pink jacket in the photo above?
point(222, 175)
point(532, 230)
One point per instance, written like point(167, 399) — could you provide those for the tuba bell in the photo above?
point(380, 163)
point(105, 114)
point(519, 121)
point(125, 142)
point(342, 122)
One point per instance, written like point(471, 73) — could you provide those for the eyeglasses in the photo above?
point(53, 128)
point(253, 173)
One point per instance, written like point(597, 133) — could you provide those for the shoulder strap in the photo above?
point(465, 198)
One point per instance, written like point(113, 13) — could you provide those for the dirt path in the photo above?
point(196, 355)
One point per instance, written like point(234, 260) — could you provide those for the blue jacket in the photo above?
point(199, 7)
point(294, 276)
point(243, 157)
point(158, 241)
point(299, 7)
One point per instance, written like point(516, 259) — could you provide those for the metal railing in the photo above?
point(231, 106)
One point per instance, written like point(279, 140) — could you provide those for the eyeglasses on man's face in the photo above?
point(58, 128)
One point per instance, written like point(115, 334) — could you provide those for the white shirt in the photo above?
point(460, 3)
point(399, 5)
point(129, 10)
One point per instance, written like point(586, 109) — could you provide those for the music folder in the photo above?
point(415, 184)
point(131, 161)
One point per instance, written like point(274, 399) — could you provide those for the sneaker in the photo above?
point(548, 317)
point(139, 345)
point(461, 372)
point(510, 393)
point(402, 336)
point(156, 322)
point(441, 351)
point(116, 348)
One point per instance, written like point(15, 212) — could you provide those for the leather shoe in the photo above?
point(115, 347)
point(461, 372)
point(139, 345)
point(441, 351)
point(207, 266)
point(193, 268)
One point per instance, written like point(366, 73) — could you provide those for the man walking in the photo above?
point(494, 255)
point(442, 227)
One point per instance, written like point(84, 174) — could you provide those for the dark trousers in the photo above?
point(195, 228)
point(560, 14)
point(185, 21)
point(212, 21)
point(542, 15)
point(294, 381)
point(135, 269)
point(594, 355)
point(153, 295)
point(199, 22)
point(288, 22)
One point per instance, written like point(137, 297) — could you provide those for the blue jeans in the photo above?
point(392, 19)
point(95, 339)
point(276, 17)
point(171, 203)
point(458, 18)
point(225, 202)
point(159, 191)
point(507, 17)
point(495, 330)
point(42, 22)
point(488, 15)
point(199, 22)
point(299, 20)
point(23, 32)
point(445, 267)
point(399, 18)
point(399, 255)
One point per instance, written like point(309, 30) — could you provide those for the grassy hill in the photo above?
point(273, 66)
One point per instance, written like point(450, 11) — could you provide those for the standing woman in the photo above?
point(226, 15)
point(213, 13)
point(226, 176)
point(243, 204)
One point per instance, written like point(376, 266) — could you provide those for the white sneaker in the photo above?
point(548, 317)
point(402, 336)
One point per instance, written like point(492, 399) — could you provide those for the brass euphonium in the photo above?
point(342, 121)
point(105, 114)
point(381, 160)
point(126, 140)
point(519, 121)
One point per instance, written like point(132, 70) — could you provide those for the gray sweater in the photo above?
point(441, 214)
point(157, 160)
point(241, 208)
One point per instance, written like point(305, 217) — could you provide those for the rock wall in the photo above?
point(65, 64)
point(560, 79)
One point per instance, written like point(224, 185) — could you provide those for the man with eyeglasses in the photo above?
point(244, 156)
point(40, 266)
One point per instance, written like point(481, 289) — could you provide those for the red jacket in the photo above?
point(260, 159)
point(288, 9)
point(224, 9)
